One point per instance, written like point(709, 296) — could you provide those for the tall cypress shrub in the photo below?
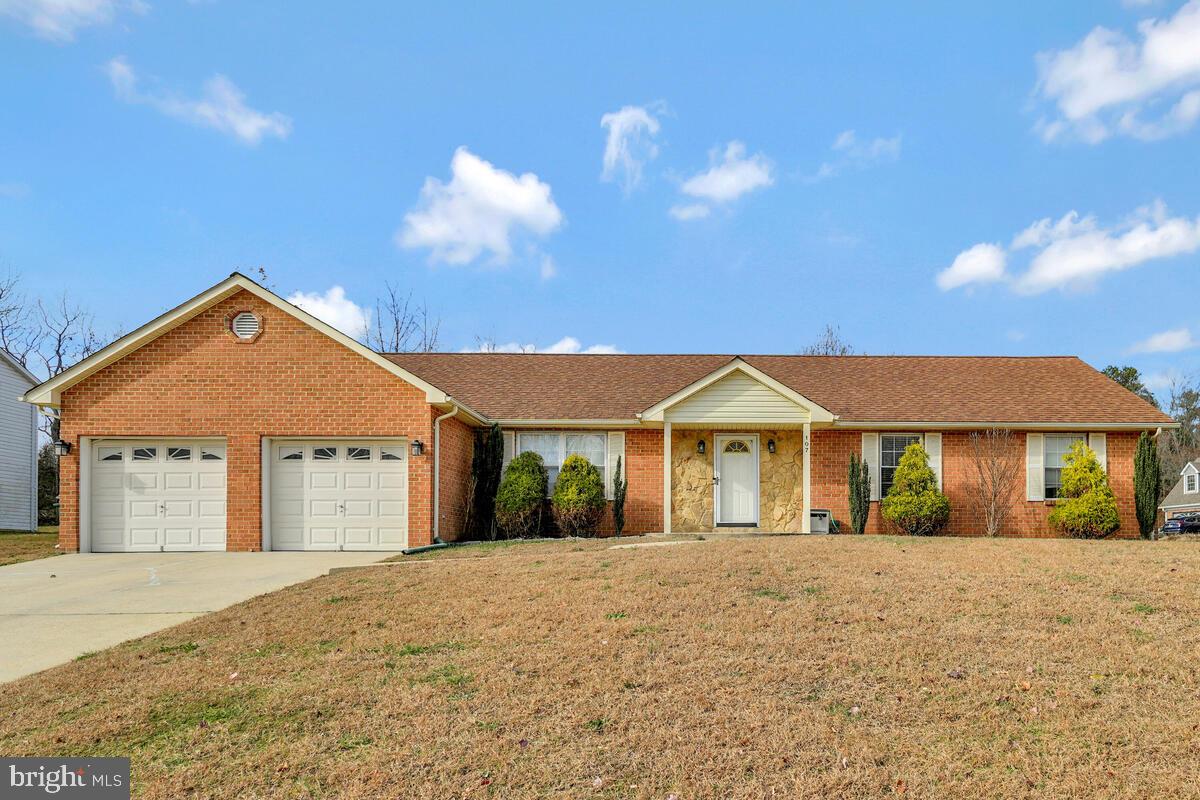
point(859, 483)
point(620, 484)
point(486, 462)
point(1146, 480)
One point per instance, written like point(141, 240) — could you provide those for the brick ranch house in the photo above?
point(237, 421)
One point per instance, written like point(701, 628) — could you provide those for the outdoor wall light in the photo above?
point(62, 448)
point(771, 446)
point(418, 447)
point(700, 447)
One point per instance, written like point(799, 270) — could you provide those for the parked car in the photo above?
point(1187, 524)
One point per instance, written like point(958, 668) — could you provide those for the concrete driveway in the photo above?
point(54, 609)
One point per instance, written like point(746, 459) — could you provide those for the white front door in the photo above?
point(157, 494)
point(736, 471)
point(339, 495)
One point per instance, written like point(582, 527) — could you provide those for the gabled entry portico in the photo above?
point(764, 479)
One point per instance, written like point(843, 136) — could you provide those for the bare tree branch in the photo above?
point(401, 327)
point(995, 458)
point(830, 344)
point(20, 334)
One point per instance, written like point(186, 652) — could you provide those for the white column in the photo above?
point(666, 477)
point(806, 520)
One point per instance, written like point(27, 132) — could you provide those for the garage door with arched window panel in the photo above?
point(157, 495)
point(339, 495)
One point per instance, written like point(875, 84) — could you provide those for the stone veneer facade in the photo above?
point(781, 481)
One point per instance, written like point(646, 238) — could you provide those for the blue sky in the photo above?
point(773, 171)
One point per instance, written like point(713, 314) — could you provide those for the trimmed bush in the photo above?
point(578, 500)
point(620, 487)
point(1147, 476)
point(486, 463)
point(859, 485)
point(1086, 507)
point(520, 496)
point(914, 504)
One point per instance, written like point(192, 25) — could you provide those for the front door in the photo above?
point(736, 473)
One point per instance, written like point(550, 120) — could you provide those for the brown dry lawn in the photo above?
point(18, 546)
point(756, 668)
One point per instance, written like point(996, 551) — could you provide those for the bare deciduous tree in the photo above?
point(995, 457)
point(20, 333)
point(400, 326)
point(830, 344)
point(66, 336)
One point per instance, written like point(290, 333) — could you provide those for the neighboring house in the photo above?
point(18, 448)
point(238, 421)
point(1184, 497)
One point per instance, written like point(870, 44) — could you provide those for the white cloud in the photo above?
point(1107, 82)
point(1161, 381)
point(1075, 252)
point(478, 211)
point(14, 190)
point(1172, 341)
point(222, 108)
point(335, 309)
point(630, 144)
point(983, 263)
point(548, 268)
point(730, 175)
point(689, 211)
point(58, 20)
point(854, 154)
point(566, 345)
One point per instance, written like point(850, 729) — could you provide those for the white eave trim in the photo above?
point(50, 392)
point(1188, 466)
point(816, 412)
point(1024, 426)
point(1183, 505)
point(568, 423)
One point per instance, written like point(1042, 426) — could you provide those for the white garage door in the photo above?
point(157, 494)
point(339, 495)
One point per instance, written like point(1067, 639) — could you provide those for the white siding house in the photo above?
point(18, 448)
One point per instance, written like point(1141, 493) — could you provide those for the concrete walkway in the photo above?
point(54, 609)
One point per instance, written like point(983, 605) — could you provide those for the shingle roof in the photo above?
point(943, 389)
point(1177, 497)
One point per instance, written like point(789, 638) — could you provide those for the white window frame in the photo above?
point(1047, 466)
point(1190, 482)
point(920, 437)
point(562, 449)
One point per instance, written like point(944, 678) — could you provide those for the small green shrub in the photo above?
point(620, 487)
point(578, 500)
point(1147, 475)
point(859, 485)
point(520, 496)
point(914, 504)
point(1086, 507)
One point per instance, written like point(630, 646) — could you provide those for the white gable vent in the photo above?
point(245, 325)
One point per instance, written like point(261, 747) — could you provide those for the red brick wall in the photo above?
point(644, 469)
point(454, 467)
point(830, 462)
point(197, 380)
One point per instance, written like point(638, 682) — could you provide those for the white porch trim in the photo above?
point(806, 519)
point(667, 478)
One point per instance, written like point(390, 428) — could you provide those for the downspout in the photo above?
point(437, 471)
